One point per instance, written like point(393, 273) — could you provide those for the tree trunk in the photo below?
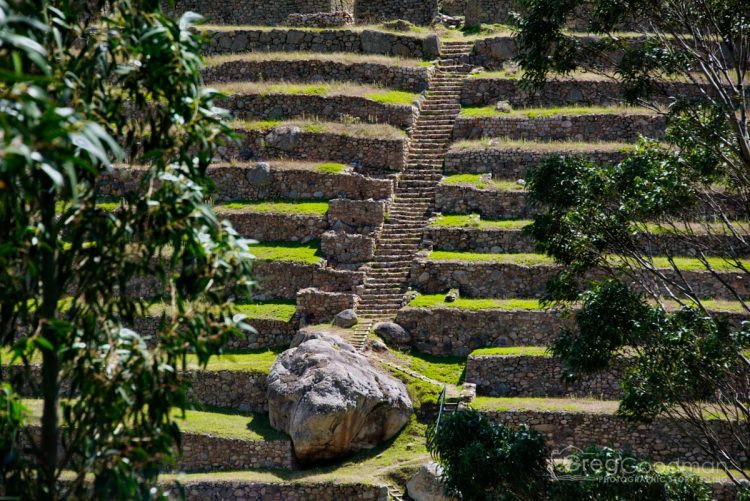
point(48, 451)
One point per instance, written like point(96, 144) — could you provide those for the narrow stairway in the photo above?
point(398, 243)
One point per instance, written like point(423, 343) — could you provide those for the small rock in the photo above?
point(503, 107)
point(392, 333)
point(452, 295)
point(521, 182)
point(345, 319)
point(259, 174)
point(426, 485)
point(378, 346)
point(283, 138)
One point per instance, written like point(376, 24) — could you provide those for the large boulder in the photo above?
point(345, 319)
point(331, 401)
point(392, 333)
point(426, 485)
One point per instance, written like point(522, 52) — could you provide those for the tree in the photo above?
point(686, 194)
point(80, 89)
point(483, 460)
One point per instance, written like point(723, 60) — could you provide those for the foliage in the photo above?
point(486, 461)
point(693, 183)
point(79, 91)
point(482, 460)
point(603, 474)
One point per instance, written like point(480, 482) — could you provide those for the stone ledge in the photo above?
point(537, 376)
point(291, 181)
point(490, 204)
point(371, 154)
point(209, 452)
point(258, 12)
point(280, 106)
point(346, 248)
point(408, 78)
point(589, 127)
point(510, 162)
point(270, 227)
point(451, 331)
point(486, 91)
point(231, 490)
point(660, 441)
point(316, 307)
point(325, 40)
point(510, 280)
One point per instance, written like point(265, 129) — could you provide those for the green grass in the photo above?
point(331, 168)
point(475, 221)
point(476, 181)
point(278, 207)
point(490, 111)
point(220, 422)
point(447, 370)
point(358, 130)
point(269, 310)
point(512, 351)
point(693, 264)
point(392, 97)
point(325, 57)
point(259, 360)
point(503, 404)
point(287, 251)
point(438, 301)
point(479, 257)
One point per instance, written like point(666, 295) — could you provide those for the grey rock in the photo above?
point(426, 485)
point(392, 333)
point(473, 14)
point(375, 42)
point(345, 319)
point(259, 174)
point(331, 401)
point(503, 107)
point(431, 47)
point(283, 138)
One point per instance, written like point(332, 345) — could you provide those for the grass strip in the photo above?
point(287, 251)
point(278, 207)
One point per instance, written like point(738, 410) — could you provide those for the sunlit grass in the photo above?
point(477, 181)
point(490, 111)
point(472, 304)
point(475, 221)
point(287, 251)
point(278, 207)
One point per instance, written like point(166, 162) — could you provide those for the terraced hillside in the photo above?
point(376, 174)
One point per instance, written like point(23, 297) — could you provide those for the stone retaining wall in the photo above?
point(281, 279)
point(395, 76)
point(240, 182)
point(369, 153)
point(235, 490)
point(512, 162)
point(489, 203)
point(495, 240)
point(334, 280)
point(452, 331)
point(242, 390)
point(346, 248)
point(538, 376)
point(479, 240)
point(233, 182)
point(252, 12)
point(498, 12)
point(276, 227)
point(356, 216)
point(269, 333)
point(593, 127)
point(498, 280)
point(333, 108)
point(208, 452)
point(415, 11)
point(486, 91)
point(316, 307)
point(323, 40)
point(661, 440)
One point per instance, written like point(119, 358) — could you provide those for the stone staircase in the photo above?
point(414, 199)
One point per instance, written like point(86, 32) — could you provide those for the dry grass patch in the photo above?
point(533, 113)
point(571, 405)
point(541, 146)
point(480, 182)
